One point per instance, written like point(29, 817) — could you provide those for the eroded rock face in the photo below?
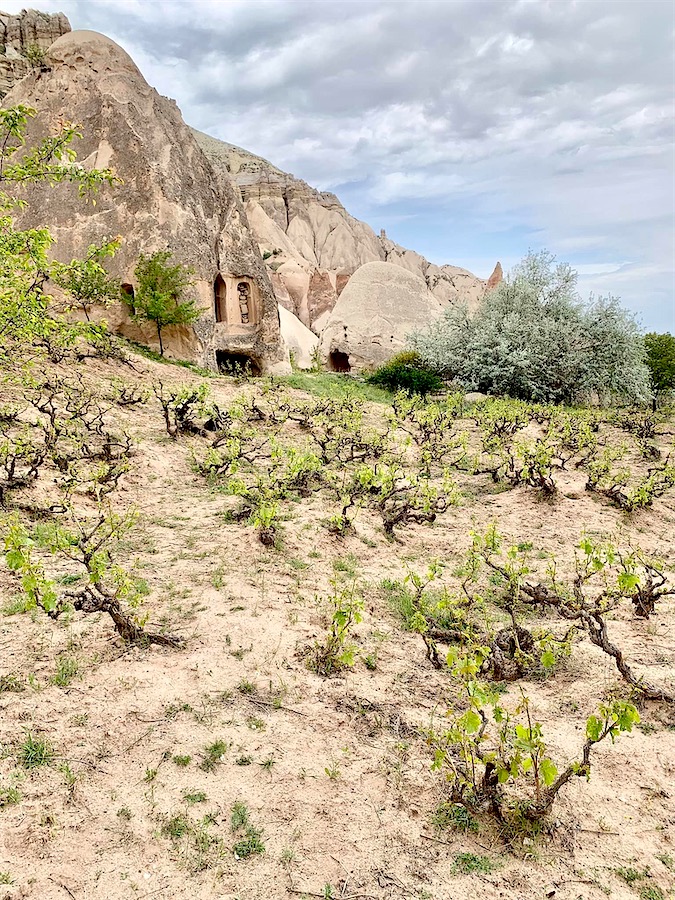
point(313, 246)
point(171, 198)
point(496, 278)
point(379, 307)
point(23, 38)
point(301, 342)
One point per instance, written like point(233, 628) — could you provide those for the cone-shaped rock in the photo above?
point(170, 198)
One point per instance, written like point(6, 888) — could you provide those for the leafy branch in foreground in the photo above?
point(499, 761)
point(106, 587)
point(615, 575)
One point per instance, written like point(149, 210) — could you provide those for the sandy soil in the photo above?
point(336, 772)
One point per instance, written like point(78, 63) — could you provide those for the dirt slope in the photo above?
point(336, 772)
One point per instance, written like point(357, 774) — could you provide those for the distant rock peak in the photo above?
point(496, 278)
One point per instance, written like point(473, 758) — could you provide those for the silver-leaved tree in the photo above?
point(535, 339)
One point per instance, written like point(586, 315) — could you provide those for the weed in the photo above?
point(213, 755)
point(9, 796)
point(267, 764)
point(370, 661)
point(333, 771)
point(239, 815)
point(196, 797)
point(218, 577)
point(246, 687)
point(35, 751)
point(667, 860)
point(469, 863)
point(244, 760)
point(251, 842)
point(69, 778)
point(6, 878)
point(455, 816)
point(631, 875)
point(125, 814)
point(176, 826)
point(346, 565)
point(150, 775)
point(11, 684)
point(256, 724)
point(651, 892)
point(182, 761)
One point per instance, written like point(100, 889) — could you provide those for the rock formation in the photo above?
point(301, 342)
point(24, 38)
point(312, 246)
point(496, 278)
point(217, 208)
point(171, 198)
point(379, 307)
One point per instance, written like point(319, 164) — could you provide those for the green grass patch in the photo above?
point(470, 863)
point(35, 751)
point(455, 816)
point(335, 386)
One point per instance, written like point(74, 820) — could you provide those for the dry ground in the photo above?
point(336, 772)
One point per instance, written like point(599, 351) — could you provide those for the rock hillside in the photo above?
point(375, 312)
point(312, 245)
point(170, 198)
point(24, 38)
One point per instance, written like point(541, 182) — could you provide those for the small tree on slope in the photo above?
point(160, 288)
point(661, 362)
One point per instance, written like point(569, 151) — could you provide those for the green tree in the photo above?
point(661, 362)
point(159, 293)
point(27, 316)
point(86, 280)
point(533, 338)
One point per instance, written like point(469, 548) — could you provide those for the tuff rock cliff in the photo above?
point(255, 235)
point(312, 245)
point(170, 197)
point(23, 40)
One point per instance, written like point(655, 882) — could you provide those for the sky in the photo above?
point(471, 130)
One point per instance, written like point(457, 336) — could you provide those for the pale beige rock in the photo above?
point(22, 37)
point(301, 342)
point(379, 307)
point(312, 230)
point(171, 198)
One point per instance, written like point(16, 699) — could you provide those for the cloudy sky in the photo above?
point(471, 130)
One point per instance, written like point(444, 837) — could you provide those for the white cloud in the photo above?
point(544, 120)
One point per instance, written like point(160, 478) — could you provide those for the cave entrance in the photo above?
point(236, 363)
point(220, 299)
point(339, 361)
point(127, 295)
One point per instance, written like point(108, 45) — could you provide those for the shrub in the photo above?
point(661, 362)
point(535, 339)
point(406, 372)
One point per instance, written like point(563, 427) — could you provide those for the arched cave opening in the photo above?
point(339, 361)
point(237, 363)
point(220, 299)
point(127, 292)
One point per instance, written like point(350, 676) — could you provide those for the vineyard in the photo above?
point(265, 642)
